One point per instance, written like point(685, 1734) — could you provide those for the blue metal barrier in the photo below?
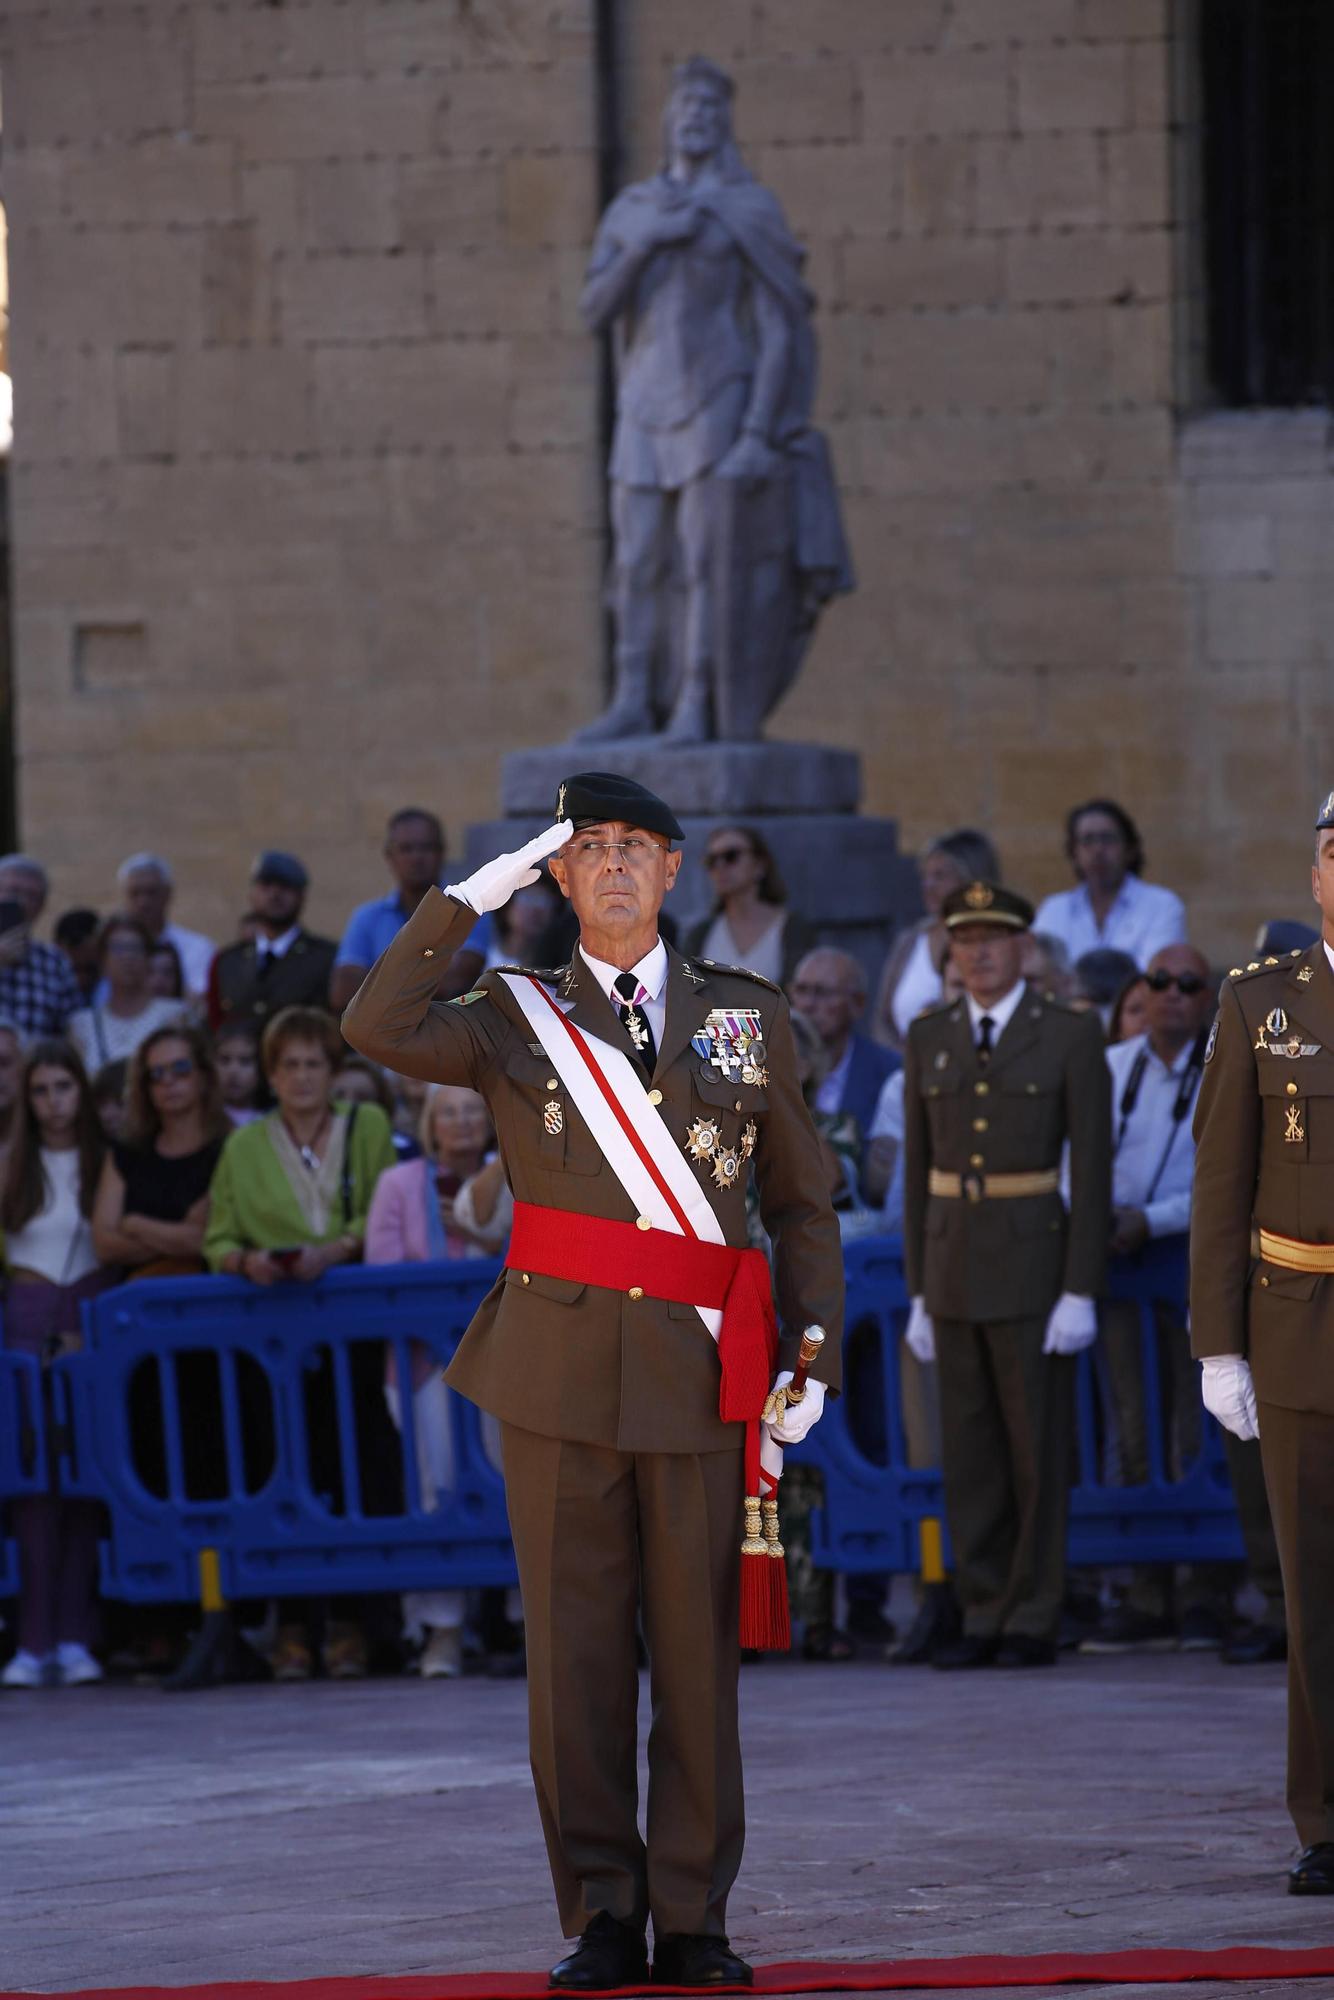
point(282, 1526)
point(284, 1523)
point(875, 1502)
point(23, 1462)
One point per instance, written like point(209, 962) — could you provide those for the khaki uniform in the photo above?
point(624, 1484)
point(242, 988)
point(1264, 1130)
point(990, 1268)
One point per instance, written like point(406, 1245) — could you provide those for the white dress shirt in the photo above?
point(650, 990)
point(829, 1092)
point(267, 947)
point(1153, 1146)
point(1329, 954)
point(1143, 919)
point(1001, 1013)
point(195, 952)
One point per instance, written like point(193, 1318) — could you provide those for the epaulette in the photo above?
point(1260, 965)
point(550, 975)
point(929, 1013)
point(741, 972)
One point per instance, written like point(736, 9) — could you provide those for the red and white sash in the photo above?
point(608, 1092)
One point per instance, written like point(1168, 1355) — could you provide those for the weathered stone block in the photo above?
point(940, 186)
point(349, 204)
point(798, 100)
point(328, 296)
point(890, 276)
point(842, 27)
point(491, 291)
point(435, 394)
point(146, 402)
point(1089, 264)
point(550, 198)
point(237, 294)
point(261, 44)
point(249, 399)
point(507, 109)
point(1139, 178)
point(320, 118)
point(921, 93)
point(988, 22)
point(1073, 89)
point(117, 79)
point(1041, 180)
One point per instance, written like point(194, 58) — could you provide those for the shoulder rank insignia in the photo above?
point(466, 999)
point(1306, 975)
point(741, 971)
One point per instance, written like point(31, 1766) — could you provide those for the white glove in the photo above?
point(1072, 1326)
point(919, 1333)
point(793, 1420)
point(1229, 1394)
point(491, 886)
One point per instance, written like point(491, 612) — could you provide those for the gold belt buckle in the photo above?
point(974, 1186)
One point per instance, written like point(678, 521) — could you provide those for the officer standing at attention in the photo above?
point(1262, 1306)
point(1003, 1281)
point(633, 1091)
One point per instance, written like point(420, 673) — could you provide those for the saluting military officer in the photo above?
point(1262, 1306)
point(1003, 1280)
point(633, 1091)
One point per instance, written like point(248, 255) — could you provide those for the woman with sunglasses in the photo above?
point(750, 924)
point(52, 1266)
point(152, 1199)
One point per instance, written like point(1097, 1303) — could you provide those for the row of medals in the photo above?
point(732, 1044)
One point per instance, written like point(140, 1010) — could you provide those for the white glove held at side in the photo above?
point(796, 1418)
point(919, 1333)
point(1229, 1394)
point(490, 887)
point(1073, 1325)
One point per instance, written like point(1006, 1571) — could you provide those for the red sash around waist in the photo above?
point(622, 1257)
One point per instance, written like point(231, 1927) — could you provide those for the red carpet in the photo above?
point(886, 1975)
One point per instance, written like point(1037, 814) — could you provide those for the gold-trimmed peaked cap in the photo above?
point(590, 797)
point(1325, 814)
point(986, 903)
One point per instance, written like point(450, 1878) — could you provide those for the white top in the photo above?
point(102, 1037)
point(1000, 1012)
point(1329, 953)
point(919, 986)
point(1152, 1139)
point(887, 1123)
point(1141, 921)
point(58, 1242)
point(765, 956)
point(196, 956)
point(650, 989)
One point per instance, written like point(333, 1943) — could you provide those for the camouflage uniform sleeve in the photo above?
point(1227, 1158)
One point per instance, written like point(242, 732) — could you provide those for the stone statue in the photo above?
point(725, 515)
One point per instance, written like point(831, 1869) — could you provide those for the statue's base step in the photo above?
point(713, 780)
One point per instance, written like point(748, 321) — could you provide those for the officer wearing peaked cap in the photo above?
point(1003, 1281)
point(628, 1434)
point(1262, 1305)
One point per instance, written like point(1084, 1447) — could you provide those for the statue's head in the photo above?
point(697, 123)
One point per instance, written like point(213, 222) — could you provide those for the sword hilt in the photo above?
point(807, 1355)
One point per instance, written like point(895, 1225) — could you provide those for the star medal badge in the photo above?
point(748, 1138)
point(727, 1166)
point(702, 1138)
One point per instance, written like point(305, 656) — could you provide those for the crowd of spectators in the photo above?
point(170, 1107)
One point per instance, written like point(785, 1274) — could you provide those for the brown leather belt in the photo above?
point(1290, 1255)
point(994, 1187)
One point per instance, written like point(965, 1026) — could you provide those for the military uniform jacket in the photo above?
point(1264, 1131)
point(579, 1361)
point(1046, 1084)
point(240, 991)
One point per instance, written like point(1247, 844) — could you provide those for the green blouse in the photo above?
point(252, 1202)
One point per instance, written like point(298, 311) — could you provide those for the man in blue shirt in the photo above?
point(414, 847)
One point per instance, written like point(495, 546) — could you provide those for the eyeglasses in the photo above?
point(723, 857)
point(182, 1066)
point(1185, 982)
point(635, 851)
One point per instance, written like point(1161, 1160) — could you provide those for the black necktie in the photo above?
point(985, 1026)
point(635, 1020)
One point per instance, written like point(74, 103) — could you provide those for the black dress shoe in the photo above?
point(1312, 1874)
point(937, 1624)
point(608, 1954)
point(965, 1652)
point(1255, 1646)
point(1021, 1649)
point(682, 1960)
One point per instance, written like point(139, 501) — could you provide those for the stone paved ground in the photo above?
point(282, 1833)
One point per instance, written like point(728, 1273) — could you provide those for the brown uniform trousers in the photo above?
point(990, 1270)
point(1264, 1130)
point(624, 1484)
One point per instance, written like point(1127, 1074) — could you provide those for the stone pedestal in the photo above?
point(843, 872)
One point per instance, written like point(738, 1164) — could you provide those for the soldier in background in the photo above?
point(1262, 1306)
point(1003, 1280)
point(282, 965)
